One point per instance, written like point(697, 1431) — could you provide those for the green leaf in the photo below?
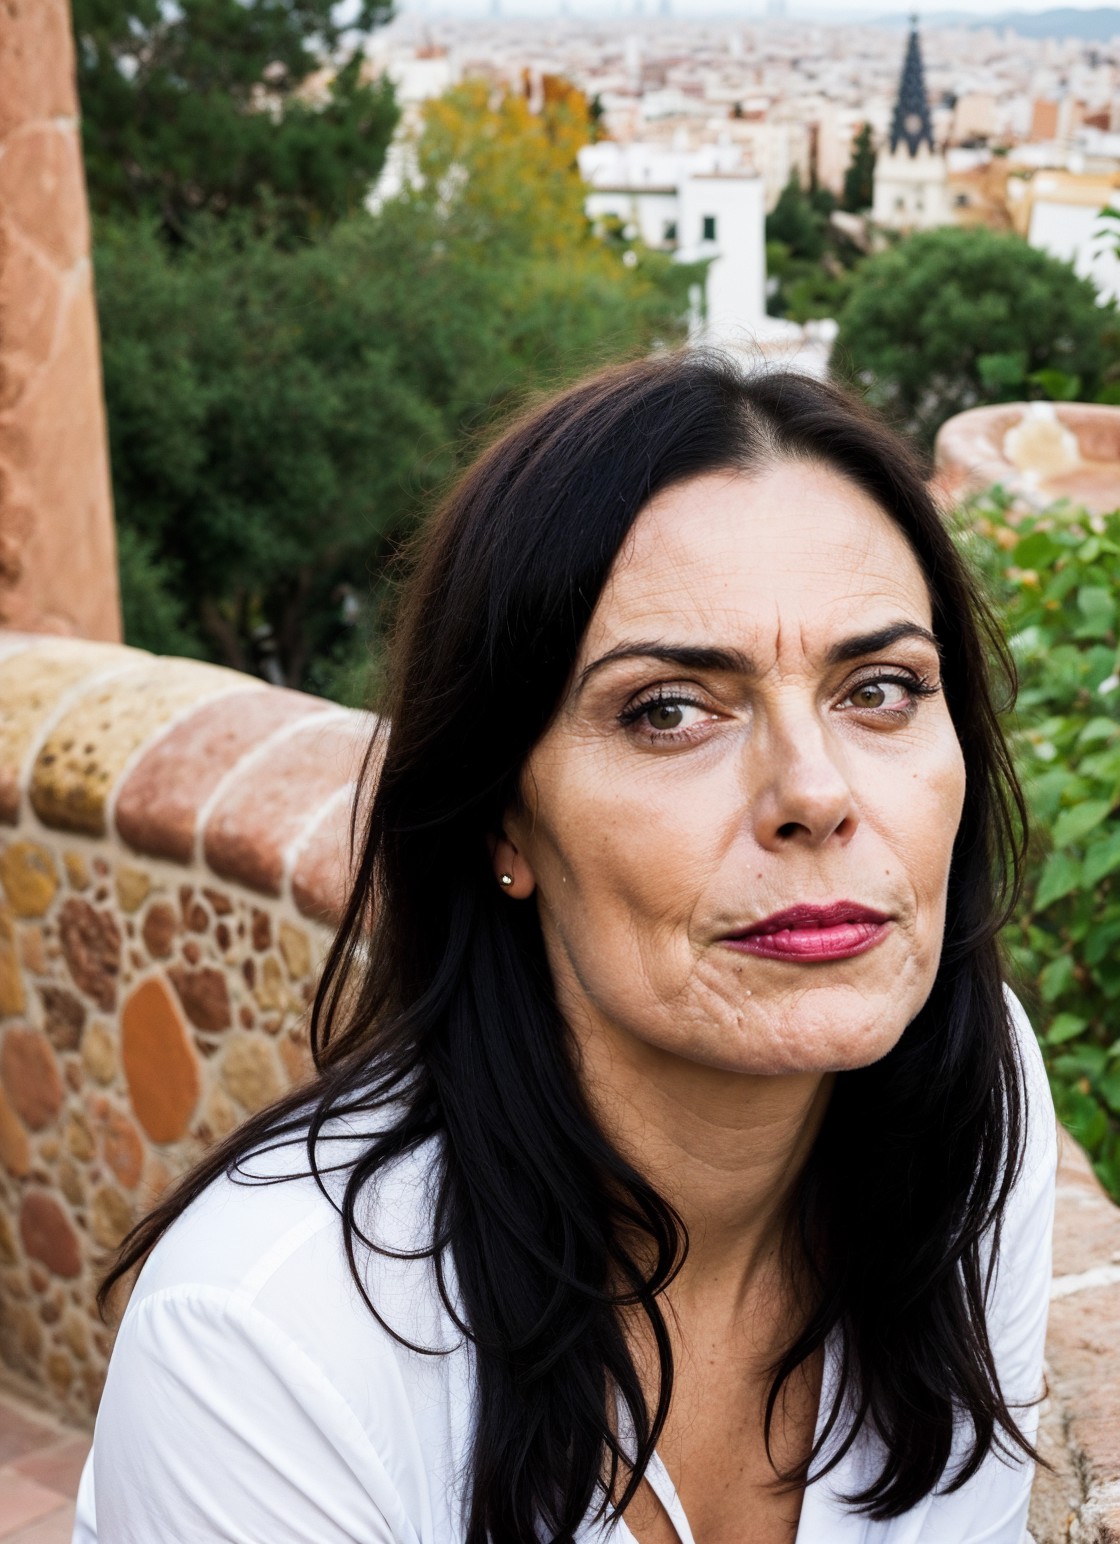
point(1072, 825)
point(1001, 370)
point(1038, 550)
point(1057, 385)
point(1061, 874)
point(1102, 858)
point(1067, 1026)
point(1098, 729)
point(1056, 977)
point(1109, 1086)
point(1098, 609)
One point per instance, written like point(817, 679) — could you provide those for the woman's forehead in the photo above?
point(747, 558)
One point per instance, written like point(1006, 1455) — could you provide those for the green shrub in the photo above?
point(1056, 577)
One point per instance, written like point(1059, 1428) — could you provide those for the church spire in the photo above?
point(911, 124)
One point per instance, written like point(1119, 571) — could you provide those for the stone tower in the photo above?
point(910, 173)
point(58, 570)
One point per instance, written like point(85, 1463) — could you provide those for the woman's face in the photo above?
point(738, 826)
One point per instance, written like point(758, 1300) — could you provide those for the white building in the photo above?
point(704, 205)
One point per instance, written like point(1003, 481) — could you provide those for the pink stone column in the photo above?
point(58, 571)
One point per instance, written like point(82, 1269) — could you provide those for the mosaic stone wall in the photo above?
point(173, 844)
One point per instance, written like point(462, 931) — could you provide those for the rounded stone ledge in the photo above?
point(321, 869)
point(259, 817)
point(1039, 452)
point(158, 805)
point(34, 677)
point(84, 754)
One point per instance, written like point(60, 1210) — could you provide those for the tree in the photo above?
point(279, 417)
point(954, 318)
point(807, 259)
point(859, 179)
point(797, 223)
point(499, 165)
point(212, 106)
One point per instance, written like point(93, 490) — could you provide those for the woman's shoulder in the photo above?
point(268, 1235)
point(248, 1337)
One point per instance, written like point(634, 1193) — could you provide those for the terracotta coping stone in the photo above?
point(84, 753)
point(162, 796)
point(321, 864)
point(270, 801)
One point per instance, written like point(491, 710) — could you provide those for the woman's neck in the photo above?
point(724, 1149)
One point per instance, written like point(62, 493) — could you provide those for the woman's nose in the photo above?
point(805, 795)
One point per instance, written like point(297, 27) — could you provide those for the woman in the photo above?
point(679, 1168)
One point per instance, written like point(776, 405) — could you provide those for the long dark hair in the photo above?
point(436, 1009)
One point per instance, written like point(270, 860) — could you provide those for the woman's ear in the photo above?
point(512, 872)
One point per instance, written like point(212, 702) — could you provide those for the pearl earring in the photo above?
point(507, 879)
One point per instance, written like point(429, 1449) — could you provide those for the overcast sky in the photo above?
point(833, 10)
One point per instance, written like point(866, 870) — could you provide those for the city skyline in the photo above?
point(838, 11)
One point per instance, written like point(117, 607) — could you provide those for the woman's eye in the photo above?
point(882, 694)
point(665, 717)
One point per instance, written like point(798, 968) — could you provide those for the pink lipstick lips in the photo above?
point(807, 934)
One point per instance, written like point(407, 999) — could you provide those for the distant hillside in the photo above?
point(1096, 26)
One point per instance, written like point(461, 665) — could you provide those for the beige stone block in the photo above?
point(295, 946)
point(72, 1182)
point(99, 1053)
point(29, 878)
point(12, 996)
point(80, 761)
point(271, 991)
point(220, 1115)
point(122, 1149)
point(249, 1072)
point(133, 886)
point(59, 1371)
point(21, 1339)
point(79, 1138)
point(110, 1217)
point(8, 1254)
point(75, 1333)
point(31, 685)
point(15, 1145)
point(77, 870)
point(33, 950)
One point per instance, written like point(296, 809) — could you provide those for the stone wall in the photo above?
point(57, 564)
point(173, 839)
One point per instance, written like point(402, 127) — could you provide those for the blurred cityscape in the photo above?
point(1021, 133)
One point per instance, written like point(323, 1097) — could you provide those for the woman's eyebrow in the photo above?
point(688, 656)
point(860, 644)
point(703, 657)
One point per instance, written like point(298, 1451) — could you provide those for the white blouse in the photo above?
point(252, 1398)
